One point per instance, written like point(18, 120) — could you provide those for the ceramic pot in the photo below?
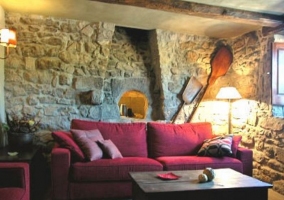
point(22, 141)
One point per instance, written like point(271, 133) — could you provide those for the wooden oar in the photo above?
point(220, 64)
point(190, 92)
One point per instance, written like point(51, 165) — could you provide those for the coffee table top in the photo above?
point(188, 181)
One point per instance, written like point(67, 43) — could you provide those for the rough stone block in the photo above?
point(88, 83)
point(93, 97)
point(110, 112)
point(95, 112)
point(65, 79)
point(31, 76)
point(280, 155)
point(30, 63)
point(32, 100)
point(69, 57)
point(48, 63)
point(88, 31)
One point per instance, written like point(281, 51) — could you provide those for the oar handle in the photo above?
point(199, 98)
point(177, 116)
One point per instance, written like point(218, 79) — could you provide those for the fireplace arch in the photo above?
point(133, 104)
point(141, 85)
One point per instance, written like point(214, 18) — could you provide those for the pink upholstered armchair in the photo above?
point(14, 181)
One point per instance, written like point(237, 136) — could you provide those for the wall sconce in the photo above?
point(8, 39)
point(228, 93)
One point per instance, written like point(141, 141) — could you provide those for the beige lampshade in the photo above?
point(228, 93)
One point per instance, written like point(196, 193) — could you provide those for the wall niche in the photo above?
point(133, 104)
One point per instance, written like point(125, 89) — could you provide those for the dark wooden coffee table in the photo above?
point(228, 184)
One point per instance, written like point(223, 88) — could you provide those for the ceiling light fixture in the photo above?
point(8, 39)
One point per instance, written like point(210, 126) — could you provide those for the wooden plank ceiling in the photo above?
point(212, 18)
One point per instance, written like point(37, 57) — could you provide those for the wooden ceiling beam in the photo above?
point(202, 10)
point(272, 30)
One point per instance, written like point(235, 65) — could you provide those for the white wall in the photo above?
point(2, 101)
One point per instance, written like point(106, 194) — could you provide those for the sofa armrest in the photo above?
point(245, 156)
point(15, 175)
point(60, 166)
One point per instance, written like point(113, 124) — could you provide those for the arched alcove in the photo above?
point(133, 104)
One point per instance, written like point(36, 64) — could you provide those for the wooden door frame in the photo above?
point(277, 77)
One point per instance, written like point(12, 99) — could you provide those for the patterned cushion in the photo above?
point(235, 144)
point(217, 147)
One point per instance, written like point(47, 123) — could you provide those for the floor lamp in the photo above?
point(228, 93)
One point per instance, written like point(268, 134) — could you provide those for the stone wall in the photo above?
point(252, 116)
point(64, 69)
point(181, 57)
point(55, 62)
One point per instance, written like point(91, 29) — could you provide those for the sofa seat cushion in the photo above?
point(197, 162)
point(177, 139)
point(129, 138)
point(112, 169)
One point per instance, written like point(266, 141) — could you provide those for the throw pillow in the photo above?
point(65, 140)
point(235, 144)
point(217, 147)
point(110, 149)
point(86, 140)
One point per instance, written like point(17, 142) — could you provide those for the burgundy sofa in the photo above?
point(148, 146)
point(14, 181)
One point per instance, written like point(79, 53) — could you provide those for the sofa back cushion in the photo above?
point(129, 138)
point(176, 139)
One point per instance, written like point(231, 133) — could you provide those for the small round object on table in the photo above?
point(210, 173)
point(202, 178)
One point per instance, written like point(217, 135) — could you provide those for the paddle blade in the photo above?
point(192, 89)
point(220, 64)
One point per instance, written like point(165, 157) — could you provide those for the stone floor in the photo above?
point(272, 195)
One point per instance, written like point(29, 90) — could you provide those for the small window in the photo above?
point(133, 104)
point(278, 74)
